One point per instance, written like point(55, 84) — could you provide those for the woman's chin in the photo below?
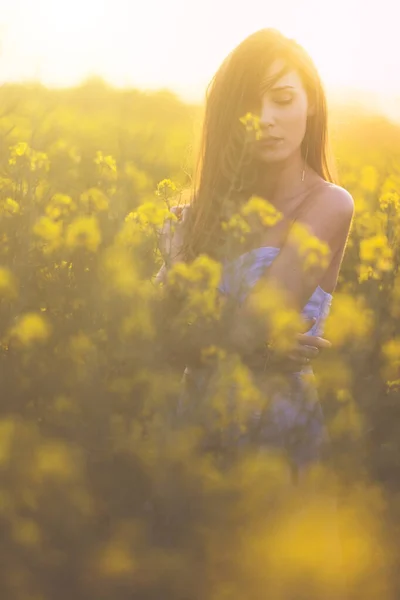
point(271, 157)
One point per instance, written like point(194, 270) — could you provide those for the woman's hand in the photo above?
point(307, 347)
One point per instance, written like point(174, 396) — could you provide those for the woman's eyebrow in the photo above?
point(282, 87)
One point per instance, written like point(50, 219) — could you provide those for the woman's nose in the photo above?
point(267, 118)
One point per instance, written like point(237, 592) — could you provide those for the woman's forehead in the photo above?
point(280, 74)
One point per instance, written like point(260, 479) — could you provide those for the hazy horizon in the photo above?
point(179, 45)
point(338, 97)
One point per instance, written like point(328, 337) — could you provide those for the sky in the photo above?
point(179, 44)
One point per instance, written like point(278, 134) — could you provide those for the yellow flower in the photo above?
point(39, 160)
point(120, 274)
point(212, 354)
point(107, 161)
point(31, 328)
point(96, 198)
point(389, 199)
point(51, 233)
point(166, 188)
point(7, 185)
point(83, 232)
point(139, 323)
point(151, 214)
point(198, 281)
point(80, 348)
point(376, 252)
point(116, 560)
point(10, 207)
point(349, 321)
point(391, 184)
point(237, 226)
point(18, 151)
point(42, 188)
point(314, 251)
point(8, 284)
point(391, 354)
point(55, 460)
point(265, 211)
point(369, 178)
point(251, 123)
point(60, 205)
point(370, 247)
point(365, 272)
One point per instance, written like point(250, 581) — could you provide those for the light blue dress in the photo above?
point(294, 420)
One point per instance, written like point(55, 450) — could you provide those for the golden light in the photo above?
point(179, 44)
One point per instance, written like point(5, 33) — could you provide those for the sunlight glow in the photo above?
point(179, 44)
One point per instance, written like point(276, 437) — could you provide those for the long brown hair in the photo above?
point(235, 90)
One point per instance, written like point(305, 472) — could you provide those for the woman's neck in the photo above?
point(282, 182)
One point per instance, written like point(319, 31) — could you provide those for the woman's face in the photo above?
point(283, 118)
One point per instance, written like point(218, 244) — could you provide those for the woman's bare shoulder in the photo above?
point(329, 214)
point(332, 199)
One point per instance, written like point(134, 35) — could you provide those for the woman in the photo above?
point(287, 164)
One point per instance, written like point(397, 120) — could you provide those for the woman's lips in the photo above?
point(272, 141)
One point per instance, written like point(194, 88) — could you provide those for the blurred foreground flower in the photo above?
point(10, 207)
point(252, 124)
point(314, 252)
point(105, 161)
point(95, 199)
point(264, 210)
point(350, 320)
point(198, 283)
point(83, 232)
point(376, 257)
point(60, 205)
point(31, 328)
point(166, 189)
point(50, 232)
point(8, 283)
point(118, 272)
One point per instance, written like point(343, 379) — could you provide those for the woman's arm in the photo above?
point(293, 274)
point(328, 221)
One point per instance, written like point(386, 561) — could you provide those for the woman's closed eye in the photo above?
point(283, 99)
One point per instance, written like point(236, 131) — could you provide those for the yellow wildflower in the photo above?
point(31, 328)
point(7, 185)
point(8, 284)
point(237, 226)
point(120, 274)
point(376, 252)
point(39, 160)
point(107, 161)
point(116, 560)
point(151, 214)
point(349, 321)
point(198, 281)
point(83, 232)
point(252, 124)
point(391, 354)
point(81, 347)
point(95, 198)
point(314, 251)
point(369, 178)
point(166, 188)
point(389, 199)
point(56, 461)
point(60, 205)
point(10, 207)
point(50, 231)
point(266, 212)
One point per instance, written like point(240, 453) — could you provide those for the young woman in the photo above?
point(287, 164)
